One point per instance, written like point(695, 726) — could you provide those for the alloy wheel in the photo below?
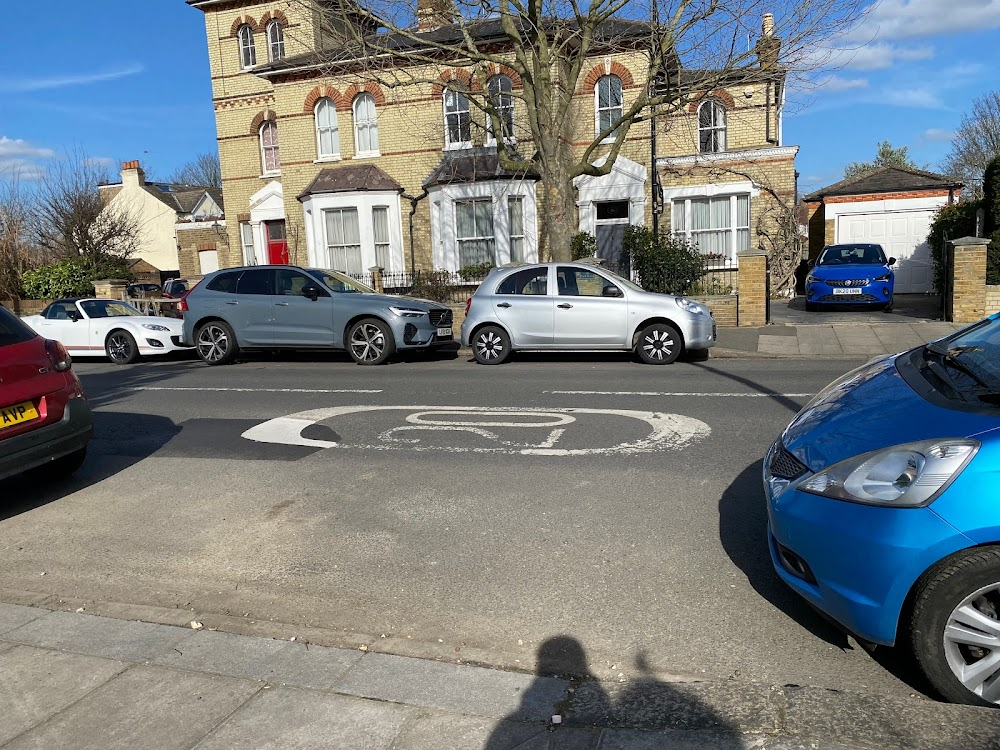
point(489, 345)
point(658, 343)
point(367, 342)
point(213, 343)
point(972, 643)
point(119, 347)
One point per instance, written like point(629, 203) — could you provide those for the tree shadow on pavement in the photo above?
point(642, 714)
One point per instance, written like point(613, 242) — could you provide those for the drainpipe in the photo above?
point(414, 200)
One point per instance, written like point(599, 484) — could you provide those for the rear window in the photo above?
point(12, 330)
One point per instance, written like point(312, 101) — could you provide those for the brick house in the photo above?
point(331, 169)
point(890, 206)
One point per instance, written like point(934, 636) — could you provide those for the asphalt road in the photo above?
point(553, 498)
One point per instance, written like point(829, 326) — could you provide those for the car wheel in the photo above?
point(216, 343)
point(811, 307)
point(659, 344)
point(121, 348)
point(370, 342)
point(888, 306)
point(61, 467)
point(955, 627)
point(491, 345)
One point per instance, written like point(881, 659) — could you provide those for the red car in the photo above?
point(45, 420)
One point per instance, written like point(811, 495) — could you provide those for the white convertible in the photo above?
point(89, 326)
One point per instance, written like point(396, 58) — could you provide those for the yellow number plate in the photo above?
point(17, 414)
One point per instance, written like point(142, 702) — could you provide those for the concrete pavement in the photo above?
point(71, 679)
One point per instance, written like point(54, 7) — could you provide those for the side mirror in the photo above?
point(811, 262)
point(612, 291)
point(310, 291)
point(892, 261)
point(74, 316)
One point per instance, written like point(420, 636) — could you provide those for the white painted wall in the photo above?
point(157, 241)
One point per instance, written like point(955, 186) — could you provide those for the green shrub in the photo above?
point(710, 286)
point(475, 272)
point(665, 264)
point(432, 285)
point(70, 278)
point(951, 222)
point(993, 259)
point(991, 197)
point(583, 245)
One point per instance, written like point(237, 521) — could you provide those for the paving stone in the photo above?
point(286, 718)
point(280, 662)
point(933, 331)
point(454, 687)
point(818, 340)
point(768, 344)
point(37, 683)
point(13, 616)
point(433, 731)
point(146, 707)
point(858, 340)
point(100, 636)
point(632, 739)
point(897, 338)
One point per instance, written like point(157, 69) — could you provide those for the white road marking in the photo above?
point(667, 431)
point(256, 390)
point(681, 393)
point(554, 419)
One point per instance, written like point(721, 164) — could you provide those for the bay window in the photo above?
point(474, 231)
point(719, 226)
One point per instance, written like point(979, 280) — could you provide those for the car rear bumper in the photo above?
point(38, 447)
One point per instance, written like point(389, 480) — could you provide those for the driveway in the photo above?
point(908, 308)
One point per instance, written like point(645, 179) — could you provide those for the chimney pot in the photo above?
point(768, 25)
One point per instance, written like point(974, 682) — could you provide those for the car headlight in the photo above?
point(908, 475)
point(689, 305)
point(810, 279)
point(884, 277)
point(154, 327)
point(406, 312)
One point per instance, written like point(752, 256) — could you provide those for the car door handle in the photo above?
point(281, 304)
point(232, 303)
point(565, 305)
point(503, 304)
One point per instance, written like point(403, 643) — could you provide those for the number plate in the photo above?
point(17, 414)
point(846, 290)
point(444, 333)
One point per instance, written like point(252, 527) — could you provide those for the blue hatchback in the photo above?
point(850, 275)
point(884, 507)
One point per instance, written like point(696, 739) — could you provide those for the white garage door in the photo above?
point(903, 234)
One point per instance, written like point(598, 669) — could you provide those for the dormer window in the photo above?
point(248, 53)
point(500, 96)
point(269, 157)
point(608, 104)
point(457, 121)
point(711, 127)
point(275, 40)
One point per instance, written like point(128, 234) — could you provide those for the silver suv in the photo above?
point(276, 307)
point(580, 306)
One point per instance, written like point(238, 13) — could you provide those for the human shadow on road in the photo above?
point(566, 688)
point(743, 533)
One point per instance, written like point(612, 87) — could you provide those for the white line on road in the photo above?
point(681, 393)
point(257, 390)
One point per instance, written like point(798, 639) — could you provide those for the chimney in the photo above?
point(132, 174)
point(768, 46)
point(433, 14)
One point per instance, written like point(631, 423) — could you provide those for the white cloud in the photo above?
point(19, 159)
point(938, 135)
point(879, 55)
point(10, 148)
point(918, 98)
point(833, 84)
point(98, 161)
point(912, 19)
point(23, 85)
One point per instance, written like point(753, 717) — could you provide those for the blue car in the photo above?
point(884, 507)
point(850, 275)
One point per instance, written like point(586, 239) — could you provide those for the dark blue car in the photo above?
point(857, 274)
point(884, 507)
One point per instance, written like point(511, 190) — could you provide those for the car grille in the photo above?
point(848, 299)
point(848, 282)
point(440, 317)
point(784, 464)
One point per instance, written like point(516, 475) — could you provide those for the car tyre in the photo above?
point(370, 342)
point(959, 600)
point(659, 344)
point(60, 468)
point(121, 348)
point(216, 343)
point(491, 345)
point(888, 306)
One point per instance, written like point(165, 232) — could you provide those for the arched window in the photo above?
point(500, 88)
point(711, 127)
point(365, 125)
point(457, 122)
point(269, 157)
point(327, 134)
point(275, 40)
point(248, 54)
point(608, 103)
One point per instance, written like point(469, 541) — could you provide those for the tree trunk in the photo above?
point(558, 215)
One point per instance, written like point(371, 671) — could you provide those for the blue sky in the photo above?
point(138, 87)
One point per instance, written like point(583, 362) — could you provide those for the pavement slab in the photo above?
point(818, 341)
point(13, 616)
point(631, 739)
point(284, 718)
point(770, 344)
point(430, 730)
point(146, 707)
point(897, 338)
point(858, 340)
point(100, 636)
point(454, 687)
point(37, 683)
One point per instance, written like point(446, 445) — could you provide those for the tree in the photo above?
point(551, 45)
point(976, 143)
point(887, 156)
point(71, 221)
point(15, 242)
point(203, 170)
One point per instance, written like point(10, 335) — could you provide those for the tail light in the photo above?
point(58, 355)
point(468, 304)
point(182, 305)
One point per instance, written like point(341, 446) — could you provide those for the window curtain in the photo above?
point(343, 240)
point(326, 128)
point(515, 214)
point(380, 225)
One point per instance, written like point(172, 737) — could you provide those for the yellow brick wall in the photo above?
point(992, 299)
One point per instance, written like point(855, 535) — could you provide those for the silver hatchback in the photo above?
point(551, 306)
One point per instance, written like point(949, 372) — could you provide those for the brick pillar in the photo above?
point(751, 302)
point(110, 288)
point(377, 285)
point(966, 302)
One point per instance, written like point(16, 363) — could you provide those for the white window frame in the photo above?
point(718, 133)
point(383, 246)
point(370, 123)
point(598, 109)
point(335, 129)
point(265, 172)
point(331, 248)
point(275, 42)
point(516, 240)
point(247, 244)
point(461, 115)
point(680, 208)
point(247, 48)
point(491, 139)
point(477, 237)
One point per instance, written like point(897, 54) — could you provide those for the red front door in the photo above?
point(277, 244)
